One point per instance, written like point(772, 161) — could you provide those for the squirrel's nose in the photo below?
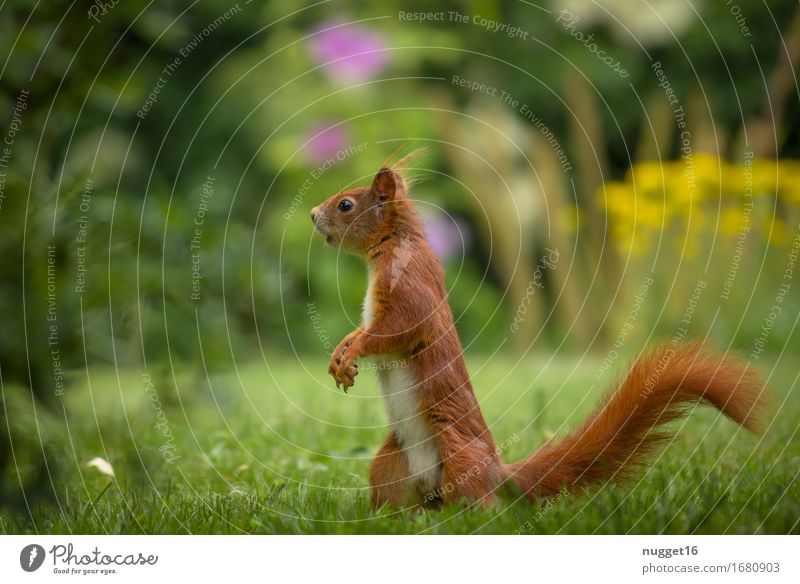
point(314, 214)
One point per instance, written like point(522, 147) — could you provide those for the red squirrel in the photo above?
point(439, 448)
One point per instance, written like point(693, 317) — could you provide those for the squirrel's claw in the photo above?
point(346, 376)
point(342, 366)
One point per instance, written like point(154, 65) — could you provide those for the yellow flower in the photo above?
point(730, 221)
point(737, 181)
point(682, 187)
point(648, 178)
point(651, 214)
point(765, 176)
point(654, 194)
point(616, 196)
point(789, 181)
point(708, 172)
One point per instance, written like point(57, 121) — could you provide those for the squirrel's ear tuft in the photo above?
point(384, 185)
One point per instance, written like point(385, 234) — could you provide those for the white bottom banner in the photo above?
point(356, 559)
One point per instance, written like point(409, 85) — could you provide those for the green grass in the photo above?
point(279, 450)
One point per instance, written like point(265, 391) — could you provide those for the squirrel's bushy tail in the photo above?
point(615, 440)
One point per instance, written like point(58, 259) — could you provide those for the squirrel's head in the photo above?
point(357, 219)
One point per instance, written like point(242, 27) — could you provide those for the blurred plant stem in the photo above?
point(588, 145)
point(576, 320)
point(512, 194)
point(504, 206)
point(763, 133)
point(655, 136)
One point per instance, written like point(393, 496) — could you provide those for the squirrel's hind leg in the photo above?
point(470, 469)
point(388, 475)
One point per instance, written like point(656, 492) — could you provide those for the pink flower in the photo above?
point(325, 141)
point(349, 53)
point(447, 236)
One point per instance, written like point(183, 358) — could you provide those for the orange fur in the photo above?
point(617, 438)
point(412, 319)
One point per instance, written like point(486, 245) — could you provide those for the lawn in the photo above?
point(277, 449)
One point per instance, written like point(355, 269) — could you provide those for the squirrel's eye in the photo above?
point(345, 205)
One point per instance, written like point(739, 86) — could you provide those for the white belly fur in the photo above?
point(398, 386)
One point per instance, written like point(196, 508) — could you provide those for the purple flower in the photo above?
point(447, 236)
point(325, 141)
point(349, 53)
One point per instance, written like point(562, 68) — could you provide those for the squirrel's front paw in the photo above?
point(344, 375)
point(344, 369)
point(336, 359)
